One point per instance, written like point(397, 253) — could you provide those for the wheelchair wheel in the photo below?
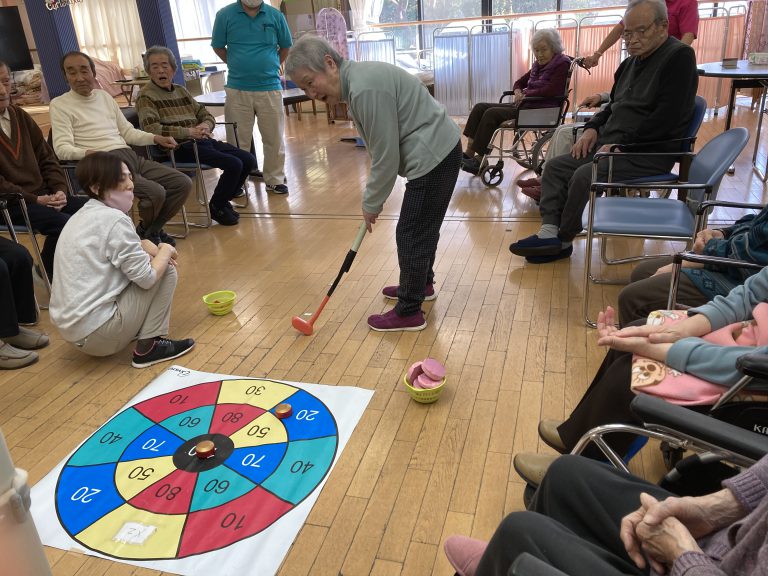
point(493, 175)
point(539, 151)
point(670, 455)
point(522, 148)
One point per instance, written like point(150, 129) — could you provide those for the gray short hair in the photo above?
point(659, 8)
point(551, 37)
point(154, 51)
point(309, 52)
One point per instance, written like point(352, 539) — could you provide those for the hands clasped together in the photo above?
point(659, 532)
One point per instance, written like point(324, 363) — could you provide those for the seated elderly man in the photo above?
point(17, 343)
point(587, 519)
point(652, 100)
point(546, 80)
point(170, 110)
point(86, 120)
point(29, 167)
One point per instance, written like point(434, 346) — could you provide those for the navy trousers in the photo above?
point(234, 163)
point(16, 291)
point(425, 202)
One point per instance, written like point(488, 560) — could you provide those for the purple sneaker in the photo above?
point(391, 322)
point(391, 292)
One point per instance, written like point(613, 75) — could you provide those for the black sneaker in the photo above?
point(166, 238)
point(240, 192)
point(231, 210)
point(256, 173)
point(277, 188)
point(162, 350)
point(222, 215)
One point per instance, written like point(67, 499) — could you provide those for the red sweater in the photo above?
point(27, 163)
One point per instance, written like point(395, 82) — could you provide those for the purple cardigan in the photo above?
point(742, 547)
point(547, 80)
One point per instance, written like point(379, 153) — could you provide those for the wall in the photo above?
point(25, 23)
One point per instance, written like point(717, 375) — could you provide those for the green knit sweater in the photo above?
point(170, 112)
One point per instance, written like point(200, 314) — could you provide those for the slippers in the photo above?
point(535, 246)
point(564, 253)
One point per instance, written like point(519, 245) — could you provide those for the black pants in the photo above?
point(646, 292)
point(425, 202)
point(606, 401)
point(48, 222)
point(483, 120)
point(573, 523)
point(17, 296)
point(234, 163)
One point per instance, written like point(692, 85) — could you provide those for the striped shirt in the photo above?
point(170, 112)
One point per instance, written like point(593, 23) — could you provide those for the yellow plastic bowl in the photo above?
point(424, 395)
point(221, 302)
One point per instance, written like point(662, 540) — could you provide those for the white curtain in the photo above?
point(110, 30)
point(360, 12)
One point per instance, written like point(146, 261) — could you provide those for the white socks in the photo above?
point(550, 231)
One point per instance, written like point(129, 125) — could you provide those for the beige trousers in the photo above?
point(139, 314)
point(241, 106)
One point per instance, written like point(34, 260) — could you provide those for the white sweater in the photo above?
point(95, 122)
point(98, 255)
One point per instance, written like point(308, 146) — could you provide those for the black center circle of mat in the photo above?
point(183, 460)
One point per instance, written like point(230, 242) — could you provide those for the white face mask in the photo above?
point(251, 3)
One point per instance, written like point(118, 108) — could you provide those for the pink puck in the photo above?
point(426, 383)
point(413, 373)
point(433, 369)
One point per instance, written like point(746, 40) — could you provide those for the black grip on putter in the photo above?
point(346, 265)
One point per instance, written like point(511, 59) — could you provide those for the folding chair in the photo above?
point(657, 218)
point(197, 170)
point(14, 229)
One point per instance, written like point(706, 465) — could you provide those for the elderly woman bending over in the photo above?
point(546, 79)
point(110, 286)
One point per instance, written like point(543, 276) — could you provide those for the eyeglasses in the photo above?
point(638, 32)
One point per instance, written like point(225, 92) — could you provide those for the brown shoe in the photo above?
point(548, 432)
point(532, 467)
point(12, 358)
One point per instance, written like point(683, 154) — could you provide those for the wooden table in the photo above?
point(127, 87)
point(743, 75)
point(291, 97)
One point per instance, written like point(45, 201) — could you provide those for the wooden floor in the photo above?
point(510, 334)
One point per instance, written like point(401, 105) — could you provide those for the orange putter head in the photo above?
point(302, 325)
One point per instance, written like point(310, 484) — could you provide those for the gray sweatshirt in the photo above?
point(98, 255)
point(406, 131)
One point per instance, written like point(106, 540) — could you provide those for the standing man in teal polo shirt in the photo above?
point(253, 39)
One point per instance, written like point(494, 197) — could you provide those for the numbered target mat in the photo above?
point(138, 491)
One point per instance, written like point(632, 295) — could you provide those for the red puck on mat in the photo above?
point(433, 369)
point(205, 449)
point(283, 411)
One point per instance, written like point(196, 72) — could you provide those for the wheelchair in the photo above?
point(530, 133)
point(743, 406)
